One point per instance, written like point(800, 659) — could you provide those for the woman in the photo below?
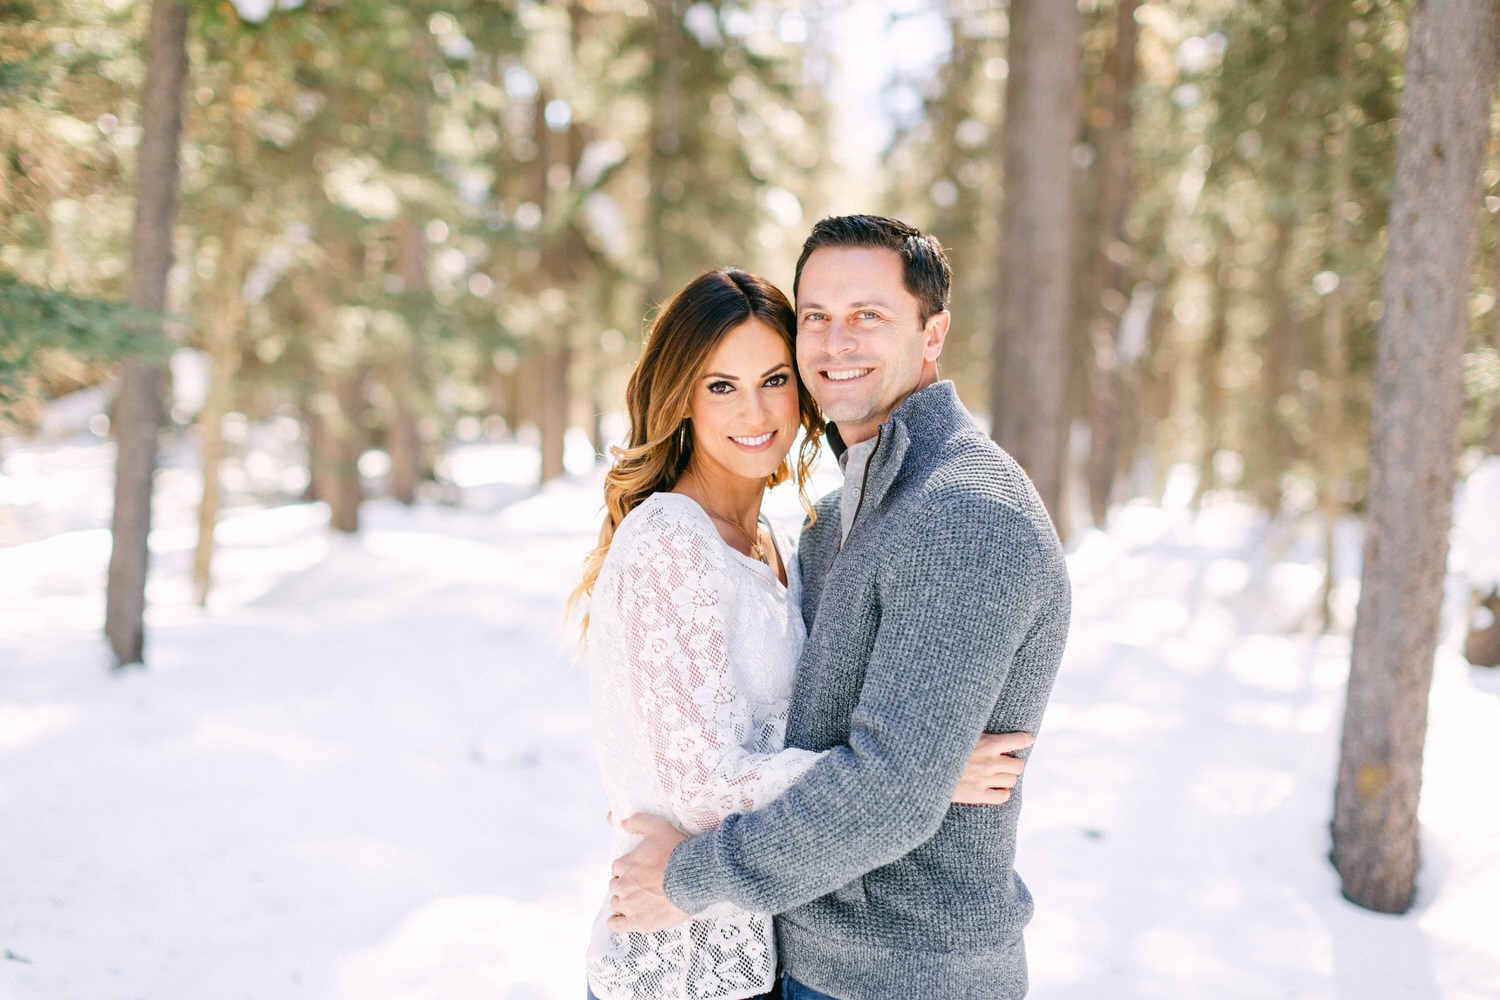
point(694, 623)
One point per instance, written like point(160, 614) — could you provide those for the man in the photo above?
point(937, 601)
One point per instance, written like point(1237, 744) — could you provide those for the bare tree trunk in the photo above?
point(558, 275)
point(1273, 456)
point(346, 389)
point(1029, 382)
point(665, 140)
point(138, 409)
point(1107, 297)
point(1493, 444)
point(1414, 439)
point(1208, 367)
point(221, 338)
point(404, 376)
point(552, 420)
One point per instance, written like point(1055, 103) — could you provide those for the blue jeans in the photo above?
point(793, 990)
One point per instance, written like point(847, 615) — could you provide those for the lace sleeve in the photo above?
point(675, 606)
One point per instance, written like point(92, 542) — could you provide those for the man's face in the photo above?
point(861, 345)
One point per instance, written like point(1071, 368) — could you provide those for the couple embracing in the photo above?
point(827, 728)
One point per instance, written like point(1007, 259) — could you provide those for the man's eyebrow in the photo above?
point(853, 305)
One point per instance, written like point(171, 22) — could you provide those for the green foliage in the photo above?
point(34, 322)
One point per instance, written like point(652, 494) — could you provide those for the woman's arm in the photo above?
point(674, 609)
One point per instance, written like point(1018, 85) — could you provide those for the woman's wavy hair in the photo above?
point(687, 330)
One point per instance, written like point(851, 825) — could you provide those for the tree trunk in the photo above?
point(1108, 273)
point(1493, 444)
point(1209, 360)
point(221, 339)
point(666, 141)
point(1414, 439)
point(346, 424)
point(404, 378)
point(138, 409)
point(1029, 383)
point(552, 418)
point(1279, 350)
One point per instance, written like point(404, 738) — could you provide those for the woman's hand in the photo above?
point(992, 771)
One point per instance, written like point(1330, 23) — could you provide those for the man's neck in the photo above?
point(856, 433)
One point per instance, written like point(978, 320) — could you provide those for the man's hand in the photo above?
point(992, 772)
point(638, 901)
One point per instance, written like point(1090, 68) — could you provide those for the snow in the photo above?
point(364, 772)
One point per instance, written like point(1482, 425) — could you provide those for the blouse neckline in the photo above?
point(762, 570)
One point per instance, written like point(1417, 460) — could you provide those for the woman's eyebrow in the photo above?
point(721, 375)
point(774, 369)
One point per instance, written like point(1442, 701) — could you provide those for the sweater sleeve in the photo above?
point(956, 602)
point(674, 608)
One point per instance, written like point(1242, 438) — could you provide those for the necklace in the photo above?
point(754, 540)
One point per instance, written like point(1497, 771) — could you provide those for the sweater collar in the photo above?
point(927, 416)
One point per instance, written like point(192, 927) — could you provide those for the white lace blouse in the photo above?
point(692, 648)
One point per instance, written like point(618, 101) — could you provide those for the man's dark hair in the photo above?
point(925, 270)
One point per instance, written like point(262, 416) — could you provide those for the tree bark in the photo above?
point(345, 390)
point(1108, 273)
point(221, 339)
point(403, 379)
point(1280, 356)
point(1492, 445)
point(1028, 386)
point(1209, 360)
point(138, 408)
point(1414, 439)
point(666, 141)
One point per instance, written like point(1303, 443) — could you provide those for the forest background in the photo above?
point(400, 228)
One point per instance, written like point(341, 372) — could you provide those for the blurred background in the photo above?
point(408, 226)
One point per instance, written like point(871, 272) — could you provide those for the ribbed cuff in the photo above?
point(688, 881)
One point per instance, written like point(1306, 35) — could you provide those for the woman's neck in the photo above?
point(723, 493)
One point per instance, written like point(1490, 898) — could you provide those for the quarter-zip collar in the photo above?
point(926, 417)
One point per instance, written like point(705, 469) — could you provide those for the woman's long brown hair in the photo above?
point(687, 330)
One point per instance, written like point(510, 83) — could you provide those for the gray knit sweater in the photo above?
point(944, 615)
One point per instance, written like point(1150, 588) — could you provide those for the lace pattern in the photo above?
point(692, 651)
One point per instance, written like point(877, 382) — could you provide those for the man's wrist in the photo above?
point(683, 881)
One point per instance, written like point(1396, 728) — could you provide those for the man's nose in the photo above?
point(840, 338)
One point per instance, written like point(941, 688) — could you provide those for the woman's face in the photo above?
point(744, 407)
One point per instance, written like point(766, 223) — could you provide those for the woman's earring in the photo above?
point(682, 436)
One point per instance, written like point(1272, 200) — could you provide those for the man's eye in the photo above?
point(867, 314)
point(776, 381)
point(814, 318)
point(720, 387)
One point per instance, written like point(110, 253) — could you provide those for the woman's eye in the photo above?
point(720, 387)
point(776, 381)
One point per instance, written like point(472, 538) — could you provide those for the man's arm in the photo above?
point(641, 905)
point(957, 600)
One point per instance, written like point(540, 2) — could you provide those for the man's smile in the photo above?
point(846, 374)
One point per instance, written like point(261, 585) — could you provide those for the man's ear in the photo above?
point(934, 334)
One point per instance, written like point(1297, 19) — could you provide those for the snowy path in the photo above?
point(364, 774)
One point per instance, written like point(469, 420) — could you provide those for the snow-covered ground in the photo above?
point(364, 772)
